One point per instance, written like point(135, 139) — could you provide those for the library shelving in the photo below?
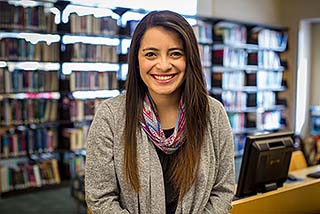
point(248, 76)
point(90, 66)
point(29, 94)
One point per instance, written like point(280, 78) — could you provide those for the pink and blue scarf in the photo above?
point(150, 123)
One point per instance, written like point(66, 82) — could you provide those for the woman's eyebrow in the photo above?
point(150, 49)
point(155, 49)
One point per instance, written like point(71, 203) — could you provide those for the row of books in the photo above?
point(205, 54)
point(241, 100)
point(228, 33)
point(270, 120)
point(267, 38)
point(233, 57)
point(75, 139)
point(93, 80)
point(237, 121)
point(261, 79)
point(26, 18)
point(269, 59)
point(28, 81)
point(92, 25)
point(269, 79)
point(231, 33)
point(20, 142)
point(93, 53)
point(77, 163)
point(234, 100)
point(78, 187)
point(83, 109)
point(203, 32)
point(20, 49)
point(27, 111)
point(266, 99)
point(25, 175)
point(76, 168)
point(230, 57)
point(239, 143)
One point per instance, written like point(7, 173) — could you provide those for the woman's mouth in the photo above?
point(163, 77)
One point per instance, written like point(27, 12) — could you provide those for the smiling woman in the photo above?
point(164, 146)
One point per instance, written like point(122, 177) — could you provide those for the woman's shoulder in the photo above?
point(113, 105)
point(115, 102)
point(214, 104)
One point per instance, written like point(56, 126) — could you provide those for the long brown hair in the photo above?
point(184, 167)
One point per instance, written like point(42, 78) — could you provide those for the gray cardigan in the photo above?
point(105, 185)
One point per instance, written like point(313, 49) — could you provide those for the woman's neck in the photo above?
point(167, 108)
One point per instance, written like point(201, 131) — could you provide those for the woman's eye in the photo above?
point(150, 54)
point(176, 54)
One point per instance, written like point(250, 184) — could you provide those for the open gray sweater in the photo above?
point(107, 191)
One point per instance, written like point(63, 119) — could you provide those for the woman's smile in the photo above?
point(163, 78)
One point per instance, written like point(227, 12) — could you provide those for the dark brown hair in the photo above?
point(194, 94)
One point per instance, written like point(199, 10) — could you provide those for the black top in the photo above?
point(171, 193)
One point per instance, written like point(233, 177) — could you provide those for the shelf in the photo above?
point(68, 67)
point(255, 109)
point(34, 38)
point(220, 68)
point(91, 39)
point(30, 65)
point(255, 130)
point(249, 47)
point(95, 94)
point(31, 95)
point(29, 125)
point(246, 89)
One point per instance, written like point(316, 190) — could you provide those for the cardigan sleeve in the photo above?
point(102, 193)
point(223, 188)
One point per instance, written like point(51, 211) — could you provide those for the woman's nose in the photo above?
point(164, 64)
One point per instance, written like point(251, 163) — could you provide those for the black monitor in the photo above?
point(265, 163)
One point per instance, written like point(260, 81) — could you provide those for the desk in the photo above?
point(292, 198)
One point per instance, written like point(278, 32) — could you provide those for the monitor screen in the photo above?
point(265, 163)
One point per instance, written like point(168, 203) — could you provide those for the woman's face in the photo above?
point(162, 61)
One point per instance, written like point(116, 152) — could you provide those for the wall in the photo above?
point(294, 11)
point(315, 65)
point(262, 11)
point(275, 12)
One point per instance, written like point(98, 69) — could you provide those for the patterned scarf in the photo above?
point(150, 123)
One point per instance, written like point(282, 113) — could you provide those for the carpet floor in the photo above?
point(55, 201)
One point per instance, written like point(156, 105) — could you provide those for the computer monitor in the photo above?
point(265, 163)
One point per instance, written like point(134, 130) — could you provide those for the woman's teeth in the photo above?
point(163, 77)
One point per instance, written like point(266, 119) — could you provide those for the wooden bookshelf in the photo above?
point(29, 94)
point(90, 68)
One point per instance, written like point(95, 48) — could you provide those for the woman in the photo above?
point(164, 146)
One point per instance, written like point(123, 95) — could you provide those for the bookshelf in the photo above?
point(248, 77)
point(90, 66)
point(29, 94)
